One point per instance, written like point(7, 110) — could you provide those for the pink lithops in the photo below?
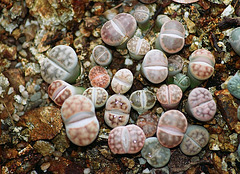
point(117, 110)
point(98, 96)
point(142, 16)
point(126, 139)
point(122, 81)
point(185, 1)
point(171, 37)
point(99, 77)
point(62, 64)
point(201, 66)
point(81, 123)
point(171, 128)
point(201, 105)
point(155, 66)
point(119, 30)
point(169, 96)
point(59, 91)
point(147, 121)
point(138, 47)
point(101, 55)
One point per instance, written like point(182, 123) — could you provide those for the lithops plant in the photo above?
point(117, 111)
point(233, 85)
point(142, 100)
point(185, 1)
point(201, 105)
point(234, 40)
point(59, 91)
point(182, 81)
point(101, 55)
point(99, 77)
point(78, 114)
point(137, 47)
point(171, 128)
point(169, 96)
point(155, 66)
point(119, 30)
point(126, 139)
point(175, 65)
point(161, 19)
point(97, 95)
point(142, 16)
point(200, 67)
point(62, 64)
point(195, 138)
point(155, 154)
point(171, 37)
point(147, 121)
point(122, 81)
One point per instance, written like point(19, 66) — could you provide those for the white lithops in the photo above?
point(101, 55)
point(98, 96)
point(62, 64)
point(122, 81)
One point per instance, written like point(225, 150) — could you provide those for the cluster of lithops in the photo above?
point(137, 47)
point(155, 66)
point(117, 110)
point(234, 85)
point(201, 105)
point(119, 30)
point(142, 100)
point(126, 139)
point(101, 55)
point(60, 90)
point(169, 96)
point(171, 37)
point(78, 114)
point(234, 39)
point(201, 66)
point(62, 64)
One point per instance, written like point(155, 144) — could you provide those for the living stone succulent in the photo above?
point(62, 64)
point(169, 96)
point(101, 55)
point(195, 138)
point(175, 65)
point(99, 77)
point(126, 139)
point(181, 80)
point(142, 100)
point(171, 128)
point(234, 40)
point(142, 16)
point(137, 47)
point(201, 66)
point(155, 66)
point(78, 114)
point(122, 81)
point(119, 30)
point(171, 37)
point(60, 90)
point(234, 85)
point(117, 111)
point(161, 19)
point(155, 154)
point(97, 95)
point(201, 105)
point(147, 121)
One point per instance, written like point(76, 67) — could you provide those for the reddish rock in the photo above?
point(10, 153)
point(42, 123)
point(228, 105)
point(15, 78)
point(59, 165)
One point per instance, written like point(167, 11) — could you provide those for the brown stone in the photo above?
point(10, 153)
point(228, 105)
point(15, 78)
point(217, 162)
point(42, 123)
point(59, 165)
point(7, 102)
point(7, 52)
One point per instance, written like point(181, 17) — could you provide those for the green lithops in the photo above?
point(234, 40)
point(182, 81)
point(234, 85)
point(155, 154)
